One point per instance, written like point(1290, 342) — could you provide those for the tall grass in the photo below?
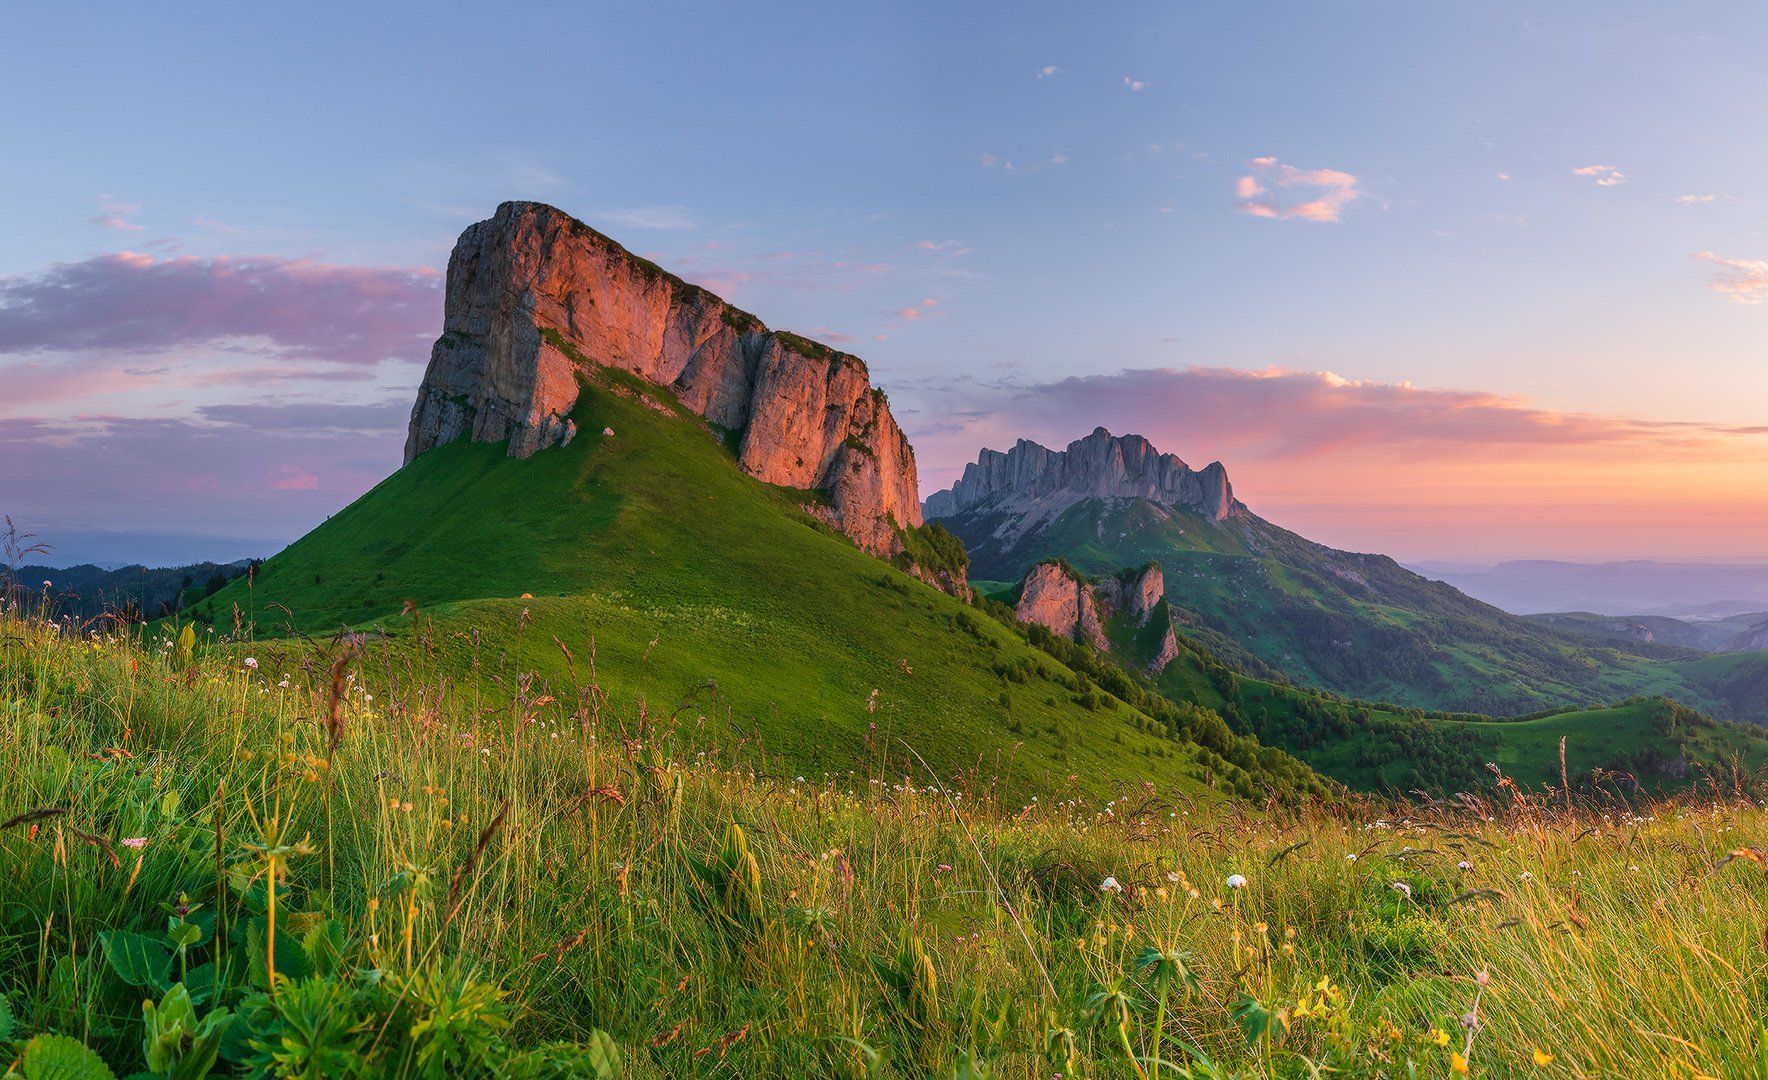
point(333, 859)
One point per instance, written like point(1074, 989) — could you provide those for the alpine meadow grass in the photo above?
point(331, 859)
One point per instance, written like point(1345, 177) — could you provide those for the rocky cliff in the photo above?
point(535, 298)
point(1034, 480)
point(1054, 596)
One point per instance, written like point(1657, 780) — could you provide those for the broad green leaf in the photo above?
point(184, 935)
point(602, 1054)
point(137, 959)
point(62, 1057)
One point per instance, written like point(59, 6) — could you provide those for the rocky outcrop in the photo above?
point(1038, 482)
point(1136, 592)
point(1055, 598)
point(536, 299)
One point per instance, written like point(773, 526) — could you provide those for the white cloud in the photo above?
point(1048, 70)
point(1695, 200)
point(1604, 175)
point(1135, 85)
point(1332, 191)
point(1742, 281)
point(649, 217)
point(995, 161)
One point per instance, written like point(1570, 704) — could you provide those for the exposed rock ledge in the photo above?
point(533, 295)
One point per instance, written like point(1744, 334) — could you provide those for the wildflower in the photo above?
point(1470, 1020)
point(944, 868)
point(1542, 1058)
point(1525, 876)
point(1458, 1064)
point(1236, 881)
point(1402, 888)
point(1464, 865)
point(133, 841)
point(1438, 1036)
point(1110, 885)
point(1350, 856)
point(251, 663)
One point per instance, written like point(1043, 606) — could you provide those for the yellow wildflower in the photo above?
point(1542, 1058)
point(1457, 1064)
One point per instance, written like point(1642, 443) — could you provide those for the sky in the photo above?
point(1469, 282)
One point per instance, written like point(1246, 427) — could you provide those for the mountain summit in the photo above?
point(1039, 482)
point(536, 299)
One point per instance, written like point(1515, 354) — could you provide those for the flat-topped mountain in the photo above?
point(535, 298)
point(1034, 480)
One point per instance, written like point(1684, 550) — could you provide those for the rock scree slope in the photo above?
point(535, 296)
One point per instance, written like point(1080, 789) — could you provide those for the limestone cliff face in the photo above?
point(1034, 480)
point(1061, 603)
point(1053, 597)
point(535, 296)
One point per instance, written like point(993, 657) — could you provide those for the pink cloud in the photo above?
point(1279, 414)
point(115, 214)
point(131, 302)
point(281, 470)
point(1258, 190)
point(1742, 281)
point(1604, 175)
point(294, 478)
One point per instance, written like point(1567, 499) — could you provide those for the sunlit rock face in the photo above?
point(534, 297)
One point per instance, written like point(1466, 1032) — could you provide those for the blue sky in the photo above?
point(1525, 241)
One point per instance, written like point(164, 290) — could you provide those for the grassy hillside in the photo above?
point(1645, 745)
point(471, 889)
point(655, 564)
point(1275, 603)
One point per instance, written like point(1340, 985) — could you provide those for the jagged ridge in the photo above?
point(1040, 482)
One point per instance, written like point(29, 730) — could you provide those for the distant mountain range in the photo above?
point(1638, 587)
point(1276, 604)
